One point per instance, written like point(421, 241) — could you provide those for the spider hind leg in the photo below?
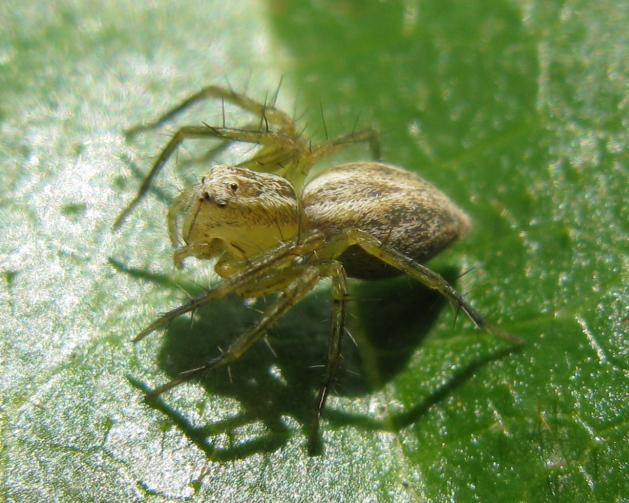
point(335, 346)
point(431, 279)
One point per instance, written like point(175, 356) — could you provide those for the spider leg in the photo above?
point(428, 277)
point(293, 158)
point(339, 300)
point(304, 283)
point(262, 110)
point(273, 140)
point(257, 268)
point(327, 147)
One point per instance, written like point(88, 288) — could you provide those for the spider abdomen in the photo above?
point(397, 207)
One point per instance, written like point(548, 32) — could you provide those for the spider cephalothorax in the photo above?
point(233, 211)
point(272, 230)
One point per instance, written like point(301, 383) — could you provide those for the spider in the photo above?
point(271, 229)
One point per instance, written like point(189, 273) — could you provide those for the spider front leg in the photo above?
point(273, 141)
point(303, 283)
point(266, 113)
point(256, 269)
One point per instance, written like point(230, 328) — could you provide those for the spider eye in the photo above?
point(233, 186)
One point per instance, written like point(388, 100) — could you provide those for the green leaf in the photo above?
point(518, 110)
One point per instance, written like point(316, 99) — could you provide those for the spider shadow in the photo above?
point(396, 315)
point(272, 384)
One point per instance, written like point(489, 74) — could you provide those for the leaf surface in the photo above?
point(517, 110)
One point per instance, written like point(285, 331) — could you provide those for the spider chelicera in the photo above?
point(271, 229)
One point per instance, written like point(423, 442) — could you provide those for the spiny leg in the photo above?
point(292, 158)
point(327, 147)
point(428, 277)
point(294, 161)
point(339, 300)
point(265, 112)
point(303, 284)
point(256, 268)
point(274, 140)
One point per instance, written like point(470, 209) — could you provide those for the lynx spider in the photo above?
point(273, 230)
